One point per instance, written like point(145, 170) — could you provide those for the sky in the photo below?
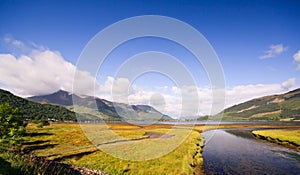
point(257, 44)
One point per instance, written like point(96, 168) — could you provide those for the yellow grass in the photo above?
point(289, 135)
point(68, 143)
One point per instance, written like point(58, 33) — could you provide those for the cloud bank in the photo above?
point(39, 73)
point(43, 71)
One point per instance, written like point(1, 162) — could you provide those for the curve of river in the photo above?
point(238, 152)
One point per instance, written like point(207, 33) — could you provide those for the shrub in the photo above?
point(11, 125)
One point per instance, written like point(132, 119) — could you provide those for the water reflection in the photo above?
point(238, 152)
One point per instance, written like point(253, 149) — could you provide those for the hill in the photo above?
point(107, 110)
point(282, 107)
point(36, 111)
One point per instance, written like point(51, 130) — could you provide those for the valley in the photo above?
point(113, 146)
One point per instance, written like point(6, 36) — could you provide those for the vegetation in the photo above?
point(11, 125)
point(67, 143)
point(284, 107)
point(14, 160)
point(287, 137)
point(34, 111)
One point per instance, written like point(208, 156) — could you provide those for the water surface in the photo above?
point(238, 152)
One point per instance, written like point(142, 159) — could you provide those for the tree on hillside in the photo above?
point(11, 125)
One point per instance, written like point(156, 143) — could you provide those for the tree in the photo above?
point(11, 125)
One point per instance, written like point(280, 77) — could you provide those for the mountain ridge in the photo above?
point(106, 109)
point(278, 107)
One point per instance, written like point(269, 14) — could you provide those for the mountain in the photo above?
point(61, 98)
point(274, 107)
point(36, 111)
point(104, 109)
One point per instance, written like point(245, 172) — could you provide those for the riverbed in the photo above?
point(236, 151)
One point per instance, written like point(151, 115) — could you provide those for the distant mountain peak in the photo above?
point(112, 110)
point(60, 97)
point(62, 92)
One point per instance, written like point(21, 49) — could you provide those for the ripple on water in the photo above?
point(226, 153)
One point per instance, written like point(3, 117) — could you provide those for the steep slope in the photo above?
point(107, 110)
point(275, 107)
point(35, 111)
point(60, 98)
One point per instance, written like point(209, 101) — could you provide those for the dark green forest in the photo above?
point(35, 111)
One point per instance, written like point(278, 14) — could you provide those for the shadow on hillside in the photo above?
point(37, 147)
point(33, 134)
point(6, 169)
point(75, 156)
point(36, 142)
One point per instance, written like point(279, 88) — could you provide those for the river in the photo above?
point(238, 152)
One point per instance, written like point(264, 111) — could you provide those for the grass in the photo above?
point(67, 142)
point(287, 137)
point(18, 162)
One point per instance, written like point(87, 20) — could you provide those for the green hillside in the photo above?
point(36, 111)
point(282, 107)
point(104, 109)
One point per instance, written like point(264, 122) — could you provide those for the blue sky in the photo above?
point(256, 41)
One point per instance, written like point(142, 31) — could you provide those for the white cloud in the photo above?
point(13, 42)
point(288, 84)
point(239, 94)
point(173, 104)
point(296, 57)
point(274, 50)
point(18, 48)
point(115, 89)
point(115, 85)
point(41, 72)
point(44, 71)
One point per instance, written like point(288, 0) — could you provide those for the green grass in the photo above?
point(282, 136)
point(13, 162)
point(8, 165)
point(67, 142)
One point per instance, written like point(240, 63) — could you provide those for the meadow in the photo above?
point(141, 149)
point(122, 148)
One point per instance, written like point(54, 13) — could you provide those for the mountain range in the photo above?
point(93, 108)
point(59, 106)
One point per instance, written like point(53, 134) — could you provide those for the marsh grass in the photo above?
point(281, 135)
point(67, 142)
point(179, 161)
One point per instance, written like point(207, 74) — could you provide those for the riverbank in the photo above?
point(286, 137)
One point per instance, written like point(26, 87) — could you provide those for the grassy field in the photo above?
point(142, 149)
point(287, 137)
point(68, 143)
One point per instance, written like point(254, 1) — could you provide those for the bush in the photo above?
point(41, 123)
point(12, 127)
